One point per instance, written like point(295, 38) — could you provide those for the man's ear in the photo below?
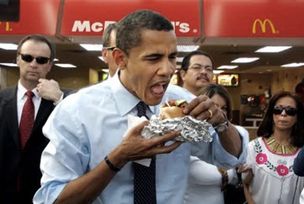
point(104, 54)
point(18, 60)
point(182, 74)
point(120, 58)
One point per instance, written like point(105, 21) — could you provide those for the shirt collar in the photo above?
point(22, 90)
point(122, 94)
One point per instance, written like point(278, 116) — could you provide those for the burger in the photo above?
point(173, 109)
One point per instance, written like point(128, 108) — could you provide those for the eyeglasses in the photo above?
point(109, 48)
point(198, 67)
point(288, 110)
point(30, 58)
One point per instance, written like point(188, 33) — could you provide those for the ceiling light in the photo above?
point(92, 47)
point(294, 64)
point(217, 71)
point(272, 49)
point(8, 46)
point(101, 58)
point(9, 64)
point(245, 60)
point(56, 60)
point(187, 48)
point(62, 65)
point(228, 67)
point(105, 70)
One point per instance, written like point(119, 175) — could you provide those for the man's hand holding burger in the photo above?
point(203, 108)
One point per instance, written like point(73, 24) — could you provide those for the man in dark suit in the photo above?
point(20, 156)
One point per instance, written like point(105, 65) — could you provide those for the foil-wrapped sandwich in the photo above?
point(172, 118)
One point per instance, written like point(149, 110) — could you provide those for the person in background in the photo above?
point(268, 174)
point(196, 74)
point(299, 90)
point(91, 155)
point(109, 43)
point(207, 182)
point(298, 166)
point(196, 71)
point(23, 111)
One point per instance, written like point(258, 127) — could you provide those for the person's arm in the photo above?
point(247, 178)
point(298, 166)
point(50, 90)
point(248, 195)
point(65, 161)
point(86, 188)
point(203, 173)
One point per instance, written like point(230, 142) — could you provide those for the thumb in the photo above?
point(138, 128)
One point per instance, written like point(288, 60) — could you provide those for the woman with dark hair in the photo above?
point(270, 178)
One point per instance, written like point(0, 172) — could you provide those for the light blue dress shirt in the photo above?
point(89, 124)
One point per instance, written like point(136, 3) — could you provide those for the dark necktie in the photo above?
point(144, 177)
point(27, 119)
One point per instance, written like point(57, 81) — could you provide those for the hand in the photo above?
point(49, 89)
point(247, 174)
point(203, 108)
point(134, 146)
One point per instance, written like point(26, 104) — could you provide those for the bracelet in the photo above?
point(221, 127)
point(110, 165)
point(225, 178)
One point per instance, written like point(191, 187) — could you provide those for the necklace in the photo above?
point(278, 148)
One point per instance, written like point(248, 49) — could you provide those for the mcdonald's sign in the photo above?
point(264, 25)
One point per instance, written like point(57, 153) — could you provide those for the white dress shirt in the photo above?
point(21, 98)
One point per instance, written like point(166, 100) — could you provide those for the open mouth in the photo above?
point(159, 89)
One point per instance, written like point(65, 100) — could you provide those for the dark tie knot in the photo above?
point(29, 94)
point(141, 109)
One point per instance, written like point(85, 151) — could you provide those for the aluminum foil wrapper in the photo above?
point(192, 130)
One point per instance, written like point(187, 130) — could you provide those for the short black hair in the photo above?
point(107, 34)
point(130, 28)
point(186, 61)
point(266, 127)
point(38, 38)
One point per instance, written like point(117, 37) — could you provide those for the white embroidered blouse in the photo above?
point(274, 181)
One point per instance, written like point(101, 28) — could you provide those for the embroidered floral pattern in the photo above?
point(261, 158)
point(282, 170)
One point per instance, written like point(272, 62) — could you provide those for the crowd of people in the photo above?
point(86, 147)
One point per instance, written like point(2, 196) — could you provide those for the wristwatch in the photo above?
point(221, 127)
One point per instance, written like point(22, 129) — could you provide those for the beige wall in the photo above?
point(287, 80)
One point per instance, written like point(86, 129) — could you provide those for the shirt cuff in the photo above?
point(60, 99)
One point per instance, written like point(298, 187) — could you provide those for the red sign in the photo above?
point(36, 16)
point(258, 18)
point(90, 17)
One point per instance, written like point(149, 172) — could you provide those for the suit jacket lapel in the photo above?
point(44, 111)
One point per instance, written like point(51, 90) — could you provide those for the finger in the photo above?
point(189, 107)
point(167, 148)
point(138, 128)
point(165, 138)
point(41, 80)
